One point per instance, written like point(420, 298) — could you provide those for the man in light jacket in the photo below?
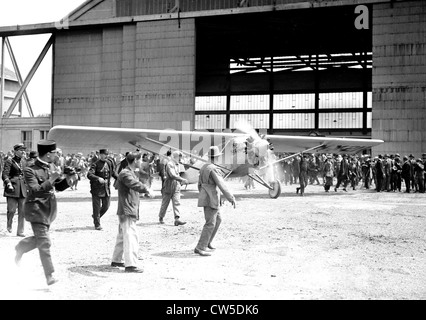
point(129, 187)
point(210, 183)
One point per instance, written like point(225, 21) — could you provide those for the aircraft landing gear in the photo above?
point(276, 189)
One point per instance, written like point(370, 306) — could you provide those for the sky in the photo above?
point(27, 48)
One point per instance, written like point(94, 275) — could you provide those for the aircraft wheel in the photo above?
point(276, 191)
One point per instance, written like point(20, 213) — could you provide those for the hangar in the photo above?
point(346, 68)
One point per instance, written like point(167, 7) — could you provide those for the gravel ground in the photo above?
point(355, 245)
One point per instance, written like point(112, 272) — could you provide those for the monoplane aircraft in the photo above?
point(245, 152)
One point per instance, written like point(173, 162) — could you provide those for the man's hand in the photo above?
point(10, 187)
point(53, 176)
point(150, 193)
point(101, 180)
point(184, 181)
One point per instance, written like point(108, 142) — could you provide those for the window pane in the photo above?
point(294, 121)
point(252, 102)
point(212, 121)
point(294, 101)
point(214, 103)
point(340, 100)
point(339, 120)
point(27, 139)
point(258, 121)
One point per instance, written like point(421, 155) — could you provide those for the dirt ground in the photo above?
point(355, 245)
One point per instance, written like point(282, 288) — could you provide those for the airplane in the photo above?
point(245, 152)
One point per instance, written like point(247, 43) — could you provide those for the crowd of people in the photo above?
point(391, 173)
point(30, 184)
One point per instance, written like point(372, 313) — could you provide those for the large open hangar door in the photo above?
point(293, 71)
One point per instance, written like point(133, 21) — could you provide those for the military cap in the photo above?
point(45, 146)
point(405, 158)
point(423, 155)
point(397, 155)
point(104, 151)
point(411, 155)
point(19, 146)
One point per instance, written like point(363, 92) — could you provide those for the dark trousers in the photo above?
point(12, 205)
point(100, 207)
point(41, 241)
point(407, 181)
point(379, 182)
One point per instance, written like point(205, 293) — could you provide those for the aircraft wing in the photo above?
point(156, 141)
point(295, 144)
point(159, 141)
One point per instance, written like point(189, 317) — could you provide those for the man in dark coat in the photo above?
point(406, 173)
point(343, 174)
point(15, 189)
point(380, 173)
point(40, 205)
point(100, 174)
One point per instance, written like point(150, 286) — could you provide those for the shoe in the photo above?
point(297, 190)
point(201, 252)
point(344, 189)
point(211, 247)
point(9, 230)
point(335, 189)
point(179, 223)
point(133, 270)
point(51, 280)
point(21, 235)
point(117, 264)
point(98, 228)
point(161, 221)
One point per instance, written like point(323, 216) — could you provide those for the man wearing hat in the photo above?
point(210, 184)
point(40, 205)
point(15, 189)
point(171, 188)
point(100, 174)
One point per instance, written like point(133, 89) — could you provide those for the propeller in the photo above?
point(258, 148)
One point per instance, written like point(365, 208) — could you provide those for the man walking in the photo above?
point(171, 188)
point(40, 206)
point(100, 174)
point(15, 189)
point(127, 243)
point(210, 183)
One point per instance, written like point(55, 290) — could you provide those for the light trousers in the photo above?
point(174, 197)
point(127, 243)
point(213, 220)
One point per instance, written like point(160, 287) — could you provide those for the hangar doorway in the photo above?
point(296, 72)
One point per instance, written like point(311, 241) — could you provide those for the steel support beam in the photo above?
point(2, 82)
point(29, 76)
point(18, 75)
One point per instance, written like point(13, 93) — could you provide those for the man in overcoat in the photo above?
point(100, 174)
point(15, 189)
point(40, 205)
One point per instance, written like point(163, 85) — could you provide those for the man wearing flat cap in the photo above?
point(15, 189)
point(210, 185)
point(100, 174)
point(40, 205)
